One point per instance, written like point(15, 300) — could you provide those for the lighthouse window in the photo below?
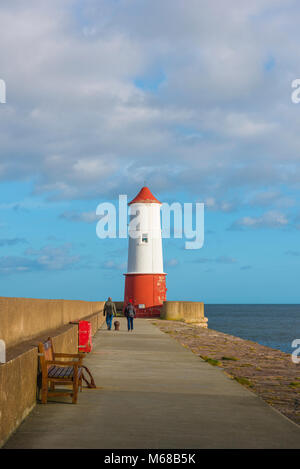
point(144, 238)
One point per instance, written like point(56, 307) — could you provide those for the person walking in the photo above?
point(130, 314)
point(110, 311)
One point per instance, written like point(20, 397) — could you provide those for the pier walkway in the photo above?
point(155, 394)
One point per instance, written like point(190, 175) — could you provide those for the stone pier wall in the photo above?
point(23, 324)
point(186, 311)
point(24, 318)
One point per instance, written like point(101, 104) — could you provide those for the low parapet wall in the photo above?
point(24, 318)
point(187, 311)
point(18, 381)
point(18, 376)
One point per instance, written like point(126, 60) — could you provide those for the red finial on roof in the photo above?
point(145, 196)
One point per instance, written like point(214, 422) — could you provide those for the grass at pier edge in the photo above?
point(269, 373)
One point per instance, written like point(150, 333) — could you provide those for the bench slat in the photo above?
point(60, 372)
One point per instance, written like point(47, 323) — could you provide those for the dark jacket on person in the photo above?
point(130, 311)
point(109, 308)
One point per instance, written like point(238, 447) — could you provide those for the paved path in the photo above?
point(155, 394)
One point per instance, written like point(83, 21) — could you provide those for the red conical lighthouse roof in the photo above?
point(145, 196)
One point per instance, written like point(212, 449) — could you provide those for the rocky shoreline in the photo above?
point(269, 373)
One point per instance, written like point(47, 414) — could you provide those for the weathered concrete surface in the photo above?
point(18, 380)
point(155, 394)
point(24, 318)
point(187, 311)
point(269, 373)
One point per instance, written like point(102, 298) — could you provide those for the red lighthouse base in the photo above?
point(147, 292)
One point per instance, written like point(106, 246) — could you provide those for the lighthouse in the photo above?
point(145, 280)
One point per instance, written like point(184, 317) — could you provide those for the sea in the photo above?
point(275, 326)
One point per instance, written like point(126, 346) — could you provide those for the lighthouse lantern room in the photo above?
point(145, 280)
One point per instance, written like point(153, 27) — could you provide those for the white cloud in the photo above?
point(241, 125)
point(112, 265)
point(86, 217)
point(12, 241)
point(218, 260)
point(226, 260)
point(78, 124)
point(266, 198)
point(219, 205)
point(172, 262)
point(52, 257)
point(271, 219)
point(293, 253)
point(48, 258)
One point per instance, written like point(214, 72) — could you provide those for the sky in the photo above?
point(193, 99)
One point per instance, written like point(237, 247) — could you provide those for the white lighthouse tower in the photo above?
point(145, 281)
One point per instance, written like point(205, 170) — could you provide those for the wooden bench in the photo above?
point(55, 371)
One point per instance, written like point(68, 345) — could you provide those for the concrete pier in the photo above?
point(155, 394)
